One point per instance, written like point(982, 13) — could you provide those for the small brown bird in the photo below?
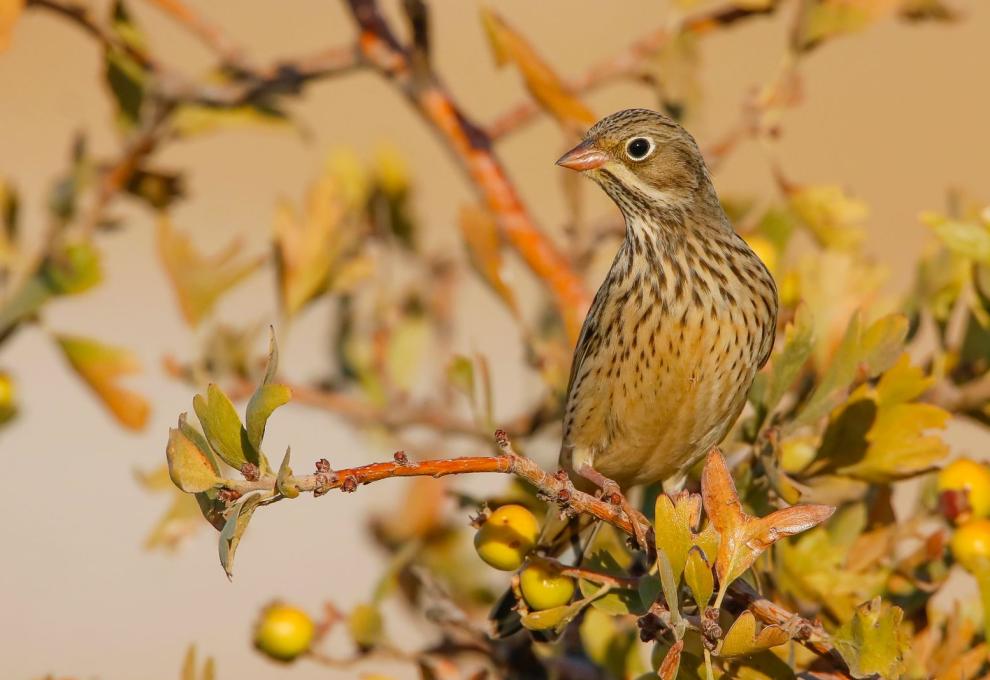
point(683, 321)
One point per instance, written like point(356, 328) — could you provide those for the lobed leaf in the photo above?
point(743, 640)
point(873, 641)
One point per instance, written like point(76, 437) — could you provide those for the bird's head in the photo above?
point(641, 154)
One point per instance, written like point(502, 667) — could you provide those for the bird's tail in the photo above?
point(560, 535)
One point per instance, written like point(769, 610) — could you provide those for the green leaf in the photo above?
point(672, 526)
point(72, 269)
point(365, 625)
point(223, 429)
point(742, 638)
point(285, 483)
point(127, 78)
point(873, 641)
point(699, 577)
point(196, 119)
point(233, 530)
point(265, 399)
point(191, 470)
point(615, 601)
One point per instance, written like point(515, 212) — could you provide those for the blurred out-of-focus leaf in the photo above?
point(233, 530)
point(10, 10)
point(365, 625)
point(825, 19)
point(869, 351)
point(484, 247)
point(546, 87)
point(874, 642)
point(832, 217)
point(126, 77)
point(195, 119)
point(200, 281)
point(158, 188)
point(100, 366)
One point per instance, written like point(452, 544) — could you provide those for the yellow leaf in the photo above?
point(673, 528)
point(100, 366)
point(485, 250)
point(742, 638)
point(873, 641)
point(832, 217)
point(541, 81)
point(199, 281)
point(191, 470)
point(10, 10)
point(825, 19)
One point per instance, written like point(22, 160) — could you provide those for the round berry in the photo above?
point(508, 535)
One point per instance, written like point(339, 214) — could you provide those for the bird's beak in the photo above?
point(584, 156)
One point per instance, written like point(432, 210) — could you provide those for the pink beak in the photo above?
point(582, 157)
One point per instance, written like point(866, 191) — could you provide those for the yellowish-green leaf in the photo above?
point(191, 470)
point(10, 10)
point(543, 84)
point(285, 483)
point(365, 625)
point(233, 530)
point(832, 217)
point(742, 638)
point(194, 119)
point(101, 366)
point(223, 429)
point(969, 239)
point(407, 345)
point(699, 577)
point(825, 19)
point(263, 402)
point(787, 364)
point(673, 528)
point(874, 642)
point(199, 281)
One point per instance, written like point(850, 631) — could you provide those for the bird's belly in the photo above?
point(649, 408)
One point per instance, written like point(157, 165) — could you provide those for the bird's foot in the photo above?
point(611, 492)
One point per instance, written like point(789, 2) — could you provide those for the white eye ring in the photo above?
point(638, 154)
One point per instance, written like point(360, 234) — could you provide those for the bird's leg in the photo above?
point(613, 494)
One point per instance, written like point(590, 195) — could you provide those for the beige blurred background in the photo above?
point(897, 117)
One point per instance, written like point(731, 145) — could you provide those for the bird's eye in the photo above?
point(639, 148)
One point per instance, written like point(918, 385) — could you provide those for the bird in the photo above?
point(684, 320)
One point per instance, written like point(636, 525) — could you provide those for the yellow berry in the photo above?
point(971, 543)
point(283, 632)
point(508, 535)
point(543, 587)
point(8, 396)
point(972, 479)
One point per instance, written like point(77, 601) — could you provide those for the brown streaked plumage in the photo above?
point(683, 321)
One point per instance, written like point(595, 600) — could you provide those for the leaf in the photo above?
point(880, 436)
point(100, 366)
point(285, 483)
point(223, 429)
point(233, 530)
point(126, 77)
point(612, 600)
point(870, 351)
point(158, 188)
point(484, 246)
point(832, 217)
point(742, 536)
point(553, 619)
point(873, 641)
point(365, 625)
point(787, 364)
point(194, 119)
point(180, 520)
point(191, 469)
point(981, 571)
point(671, 662)
point(742, 638)
point(699, 578)
point(200, 281)
point(10, 11)
point(673, 528)
point(312, 250)
point(825, 19)
point(543, 84)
